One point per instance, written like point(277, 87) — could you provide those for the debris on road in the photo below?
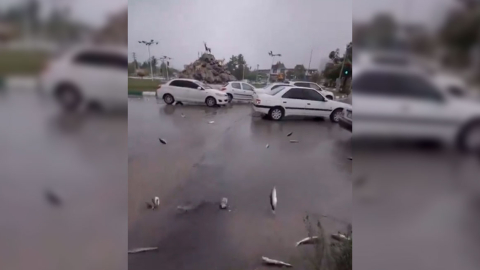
point(182, 115)
point(307, 240)
point(162, 141)
point(52, 198)
point(224, 203)
point(289, 134)
point(211, 122)
point(273, 199)
point(350, 158)
point(275, 262)
point(340, 237)
point(156, 201)
point(293, 141)
point(138, 250)
point(267, 146)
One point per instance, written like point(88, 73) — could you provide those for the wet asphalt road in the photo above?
point(202, 162)
point(83, 159)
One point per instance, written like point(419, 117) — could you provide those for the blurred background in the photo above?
point(63, 136)
point(415, 85)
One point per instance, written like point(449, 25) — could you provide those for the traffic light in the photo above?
point(345, 72)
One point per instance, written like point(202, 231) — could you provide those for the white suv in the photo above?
point(87, 75)
point(297, 101)
point(188, 90)
point(239, 90)
point(315, 86)
point(404, 103)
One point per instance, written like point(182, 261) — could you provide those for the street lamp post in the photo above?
point(168, 63)
point(256, 75)
point(148, 44)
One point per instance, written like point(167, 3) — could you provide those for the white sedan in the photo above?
point(269, 88)
point(297, 101)
point(87, 75)
point(239, 90)
point(188, 90)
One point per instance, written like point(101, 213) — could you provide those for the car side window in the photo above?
point(294, 93)
point(178, 83)
point(101, 59)
point(313, 95)
point(247, 87)
point(277, 86)
point(302, 84)
point(417, 87)
point(315, 86)
point(236, 86)
point(377, 83)
point(189, 84)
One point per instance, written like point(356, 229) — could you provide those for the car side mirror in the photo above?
point(199, 88)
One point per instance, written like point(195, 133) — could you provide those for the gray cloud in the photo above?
point(250, 27)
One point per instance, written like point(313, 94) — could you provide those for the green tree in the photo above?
point(299, 71)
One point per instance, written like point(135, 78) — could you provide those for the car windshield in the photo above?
point(203, 85)
point(268, 86)
point(276, 90)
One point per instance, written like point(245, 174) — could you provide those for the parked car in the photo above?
point(345, 120)
point(239, 90)
point(315, 86)
point(404, 103)
point(270, 87)
point(297, 101)
point(188, 90)
point(87, 75)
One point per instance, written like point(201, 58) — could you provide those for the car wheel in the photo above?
point(230, 98)
point(335, 115)
point(168, 99)
point(210, 101)
point(469, 138)
point(276, 113)
point(69, 97)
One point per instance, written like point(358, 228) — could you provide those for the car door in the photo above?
point(195, 93)
point(294, 102)
point(248, 90)
point(426, 109)
point(379, 105)
point(316, 104)
point(90, 75)
point(237, 91)
point(178, 89)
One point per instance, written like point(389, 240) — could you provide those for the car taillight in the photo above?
point(224, 88)
point(257, 101)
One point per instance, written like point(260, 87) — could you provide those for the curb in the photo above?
point(148, 93)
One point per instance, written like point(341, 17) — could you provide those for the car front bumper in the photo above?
point(222, 100)
point(345, 123)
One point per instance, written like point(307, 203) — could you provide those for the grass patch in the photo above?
point(142, 84)
point(22, 62)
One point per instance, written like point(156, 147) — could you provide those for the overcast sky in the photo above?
point(249, 27)
point(91, 12)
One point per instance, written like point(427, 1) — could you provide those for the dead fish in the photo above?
point(156, 201)
point(162, 141)
point(211, 122)
point(52, 198)
point(273, 199)
point(308, 240)
point(340, 237)
point(289, 134)
point(267, 146)
point(150, 205)
point(224, 203)
point(182, 115)
point(137, 250)
point(275, 262)
point(294, 141)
